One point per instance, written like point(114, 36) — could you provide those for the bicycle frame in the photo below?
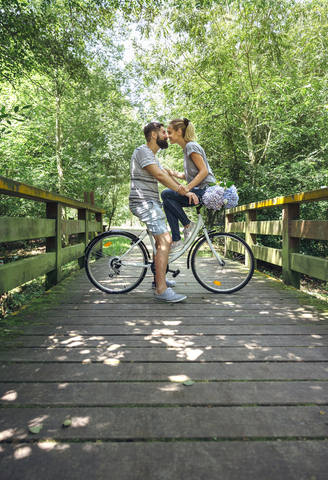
point(175, 255)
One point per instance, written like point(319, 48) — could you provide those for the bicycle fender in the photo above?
point(131, 235)
point(194, 245)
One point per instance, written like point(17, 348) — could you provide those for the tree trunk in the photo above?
point(59, 144)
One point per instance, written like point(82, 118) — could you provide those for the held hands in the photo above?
point(183, 189)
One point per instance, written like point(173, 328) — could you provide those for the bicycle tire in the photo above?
point(104, 268)
point(238, 265)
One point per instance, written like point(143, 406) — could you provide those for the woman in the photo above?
point(197, 172)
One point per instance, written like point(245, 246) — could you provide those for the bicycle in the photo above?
point(117, 261)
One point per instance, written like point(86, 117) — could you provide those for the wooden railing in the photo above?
point(291, 228)
point(52, 228)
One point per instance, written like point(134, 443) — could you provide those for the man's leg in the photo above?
point(163, 243)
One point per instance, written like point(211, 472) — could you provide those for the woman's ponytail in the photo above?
point(187, 128)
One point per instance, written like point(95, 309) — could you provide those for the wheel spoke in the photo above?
point(238, 263)
point(105, 268)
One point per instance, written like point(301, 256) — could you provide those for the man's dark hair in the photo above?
point(151, 127)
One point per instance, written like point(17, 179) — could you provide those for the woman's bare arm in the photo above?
point(203, 172)
point(174, 173)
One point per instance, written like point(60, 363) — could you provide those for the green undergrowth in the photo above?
point(34, 309)
point(22, 296)
point(304, 297)
point(310, 287)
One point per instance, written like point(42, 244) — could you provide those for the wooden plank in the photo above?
point(311, 196)
point(94, 227)
point(234, 460)
point(267, 254)
point(215, 306)
point(273, 227)
point(185, 341)
point(73, 252)
point(201, 393)
point(72, 226)
point(173, 354)
point(134, 328)
point(13, 228)
point(238, 227)
point(14, 274)
point(315, 229)
point(182, 321)
point(166, 372)
point(166, 423)
point(313, 266)
point(17, 189)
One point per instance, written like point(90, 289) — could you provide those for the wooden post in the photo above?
point(228, 220)
point(250, 216)
point(53, 244)
point(99, 218)
point(83, 237)
point(89, 197)
point(289, 244)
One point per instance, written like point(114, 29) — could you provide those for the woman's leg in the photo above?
point(173, 204)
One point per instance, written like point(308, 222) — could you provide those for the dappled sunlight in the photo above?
point(111, 361)
point(80, 421)
point(22, 452)
point(189, 354)
point(10, 396)
point(114, 347)
point(179, 378)
point(164, 331)
point(172, 387)
point(48, 446)
point(172, 322)
point(62, 358)
point(107, 355)
point(5, 434)
point(38, 420)
point(173, 342)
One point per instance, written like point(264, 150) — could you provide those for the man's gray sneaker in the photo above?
point(170, 296)
point(169, 283)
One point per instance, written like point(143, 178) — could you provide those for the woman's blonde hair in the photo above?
point(188, 130)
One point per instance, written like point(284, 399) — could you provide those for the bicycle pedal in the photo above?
point(175, 273)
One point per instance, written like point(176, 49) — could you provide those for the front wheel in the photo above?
point(114, 264)
point(228, 273)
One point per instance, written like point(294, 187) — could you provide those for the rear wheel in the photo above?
point(113, 266)
point(230, 274)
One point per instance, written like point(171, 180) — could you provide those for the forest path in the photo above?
point(115, 365)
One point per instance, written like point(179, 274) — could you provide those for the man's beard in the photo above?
point(163, 144)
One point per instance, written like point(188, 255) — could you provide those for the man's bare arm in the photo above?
point(162, 177)
point(165, 179)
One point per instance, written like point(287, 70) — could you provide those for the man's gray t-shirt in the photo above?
point(144, 187)
point(190, 168)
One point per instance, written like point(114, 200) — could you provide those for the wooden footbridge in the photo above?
point(226, 387)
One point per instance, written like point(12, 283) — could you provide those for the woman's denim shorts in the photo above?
point(153, 216)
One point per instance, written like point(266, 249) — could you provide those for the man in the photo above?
point(146, 172)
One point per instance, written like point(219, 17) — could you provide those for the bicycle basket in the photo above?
point(213, 218)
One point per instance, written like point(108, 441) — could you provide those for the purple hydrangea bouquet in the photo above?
point(221, 195)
